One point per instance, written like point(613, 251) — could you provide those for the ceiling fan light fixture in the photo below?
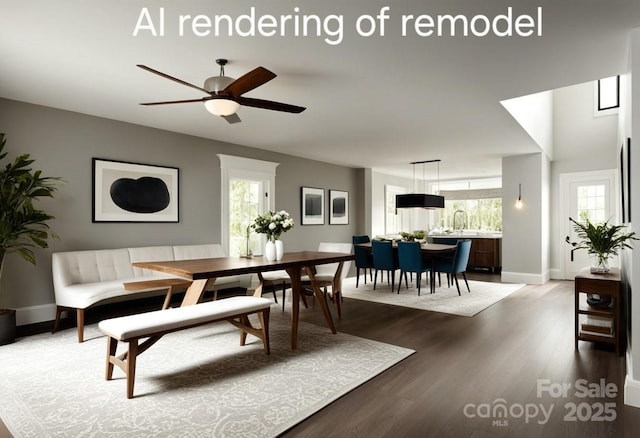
point(221, 107)
point(224, 94)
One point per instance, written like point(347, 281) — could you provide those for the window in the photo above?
point(480, 214)
point(479, 200)
point(246, 191)
point(392, 220)
point(246, 202)
point(591, 203)
point(607, 97)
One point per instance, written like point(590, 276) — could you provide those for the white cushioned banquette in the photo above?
point(84, 278)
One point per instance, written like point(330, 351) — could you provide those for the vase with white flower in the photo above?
point(273, 224)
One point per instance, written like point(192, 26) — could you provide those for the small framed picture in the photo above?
point(312, 203)
point(338, 207)
point(134, 192)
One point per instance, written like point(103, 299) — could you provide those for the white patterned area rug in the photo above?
point(445, 299)
point(193, 383)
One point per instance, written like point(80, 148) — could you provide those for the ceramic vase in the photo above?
point(270, 250)
point(279, 249)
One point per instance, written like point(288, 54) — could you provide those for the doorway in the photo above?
point(585, 195)
point(247, 190)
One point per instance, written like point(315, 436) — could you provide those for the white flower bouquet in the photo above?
point(273, 224)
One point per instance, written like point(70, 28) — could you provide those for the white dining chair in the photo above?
point(327, 275)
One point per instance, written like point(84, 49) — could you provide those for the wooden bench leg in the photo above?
point(263, 316)
point(245, 327)
point(131, 366)
point(112, 345)
point(127, 360)
point(244, 321)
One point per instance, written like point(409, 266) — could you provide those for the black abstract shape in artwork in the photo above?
point(142, 195)
point(339, 207)
point(313, 204)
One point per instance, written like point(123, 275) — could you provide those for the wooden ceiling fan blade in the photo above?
point(202, 99)
point(269, 104)
point(233, 118)
point(249, 81)
point(171, 78)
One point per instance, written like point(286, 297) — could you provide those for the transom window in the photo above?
point(606, 96)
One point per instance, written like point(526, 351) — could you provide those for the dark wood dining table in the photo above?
point(429, 250)
point(205, 271)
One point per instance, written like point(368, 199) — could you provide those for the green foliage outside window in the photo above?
point(244, 207)
point(482, 214)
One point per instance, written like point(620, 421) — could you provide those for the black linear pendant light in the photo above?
point(420, 200)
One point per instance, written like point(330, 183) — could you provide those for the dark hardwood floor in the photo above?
point(463, 368)
point(495, 358)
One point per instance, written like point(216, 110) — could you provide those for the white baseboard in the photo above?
point(35, 314)
point(523, 277)
point(631, 392)
point(556, 274)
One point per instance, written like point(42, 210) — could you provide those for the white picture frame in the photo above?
point(134, 192)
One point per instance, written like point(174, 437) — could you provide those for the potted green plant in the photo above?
point(22, 226)
point(601, 241)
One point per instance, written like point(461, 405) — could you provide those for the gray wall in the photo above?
point(63, 144)
point(582, 143)
point(525, 233)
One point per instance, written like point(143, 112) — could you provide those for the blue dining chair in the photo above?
point(384, 259)
point(364, 258)
point(457, 264)
point(410, 260)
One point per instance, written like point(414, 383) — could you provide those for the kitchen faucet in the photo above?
point(464, 218)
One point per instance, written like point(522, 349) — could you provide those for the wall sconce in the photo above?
point(519, 204)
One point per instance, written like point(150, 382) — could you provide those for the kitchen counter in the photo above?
point(486, 248)
point(468, 235)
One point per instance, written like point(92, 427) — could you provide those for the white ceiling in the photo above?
point(378, 102)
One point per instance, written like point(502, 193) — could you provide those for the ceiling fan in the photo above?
point(224, 94)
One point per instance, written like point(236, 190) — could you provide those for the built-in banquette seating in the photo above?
point(82, 279)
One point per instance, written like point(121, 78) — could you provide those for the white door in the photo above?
point(587, 195)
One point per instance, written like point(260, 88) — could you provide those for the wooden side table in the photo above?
point(599, 324)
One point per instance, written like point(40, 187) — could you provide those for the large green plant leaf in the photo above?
point(22, 226)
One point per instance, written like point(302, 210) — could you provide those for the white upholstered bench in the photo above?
point(83, 279)
point(154, 325)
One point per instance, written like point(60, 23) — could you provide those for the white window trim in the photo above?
point(233, 167)
point(391, 190)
